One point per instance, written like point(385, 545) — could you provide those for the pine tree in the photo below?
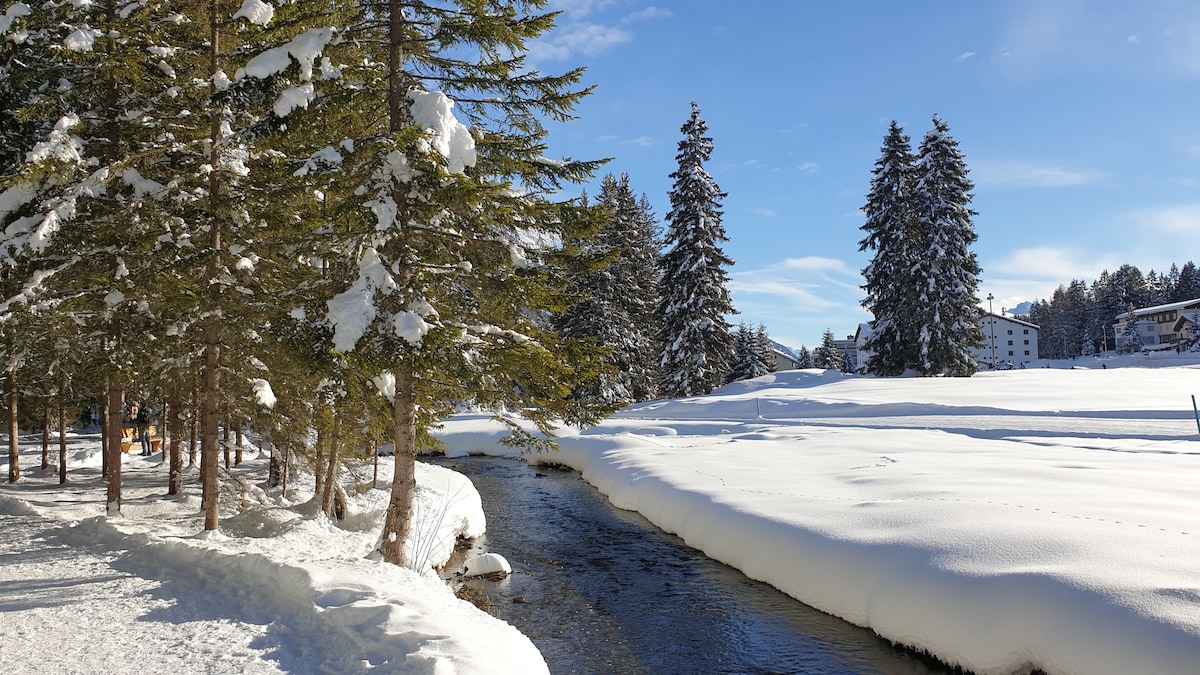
point(826, 356)
point(891, 290)
point(1133, 337)
point(696, 345)
point(945, 269)
point(848, 363)
point(765, 350)
point(1187, 287)
point(444, 233)
point(804, 358)
point(616, 308)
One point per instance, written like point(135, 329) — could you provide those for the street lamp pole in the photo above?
point(992, 323)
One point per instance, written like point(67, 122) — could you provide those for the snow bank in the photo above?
point(1026, 519)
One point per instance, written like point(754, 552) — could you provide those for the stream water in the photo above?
point(601, 590)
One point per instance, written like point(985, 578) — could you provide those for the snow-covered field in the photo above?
point(1017, 520)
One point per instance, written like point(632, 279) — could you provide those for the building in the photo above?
point(1159, 327)
point(1013, 342)
point(1007, 342)
point(783, 357)
point(861, 353)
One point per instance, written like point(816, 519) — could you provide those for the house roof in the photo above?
point(1010, 319)
point(1183, 304)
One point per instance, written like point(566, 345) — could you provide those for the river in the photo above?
point(601, 590)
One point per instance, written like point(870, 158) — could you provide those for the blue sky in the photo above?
point(1079, 121)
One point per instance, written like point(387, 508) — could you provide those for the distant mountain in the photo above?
point(1020, 310)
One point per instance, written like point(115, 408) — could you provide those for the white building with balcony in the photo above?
point(1158, 327)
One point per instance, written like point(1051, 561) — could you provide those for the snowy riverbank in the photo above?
point(279, 588)
point(1042, 518)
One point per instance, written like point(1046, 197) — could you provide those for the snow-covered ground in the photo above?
point(279, 588)
point(1016, 520)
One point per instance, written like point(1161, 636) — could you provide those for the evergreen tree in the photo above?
point(695, 343)
point(826, 356)
point(745, 363)
point(849, 364)
point(616, 307)
point(804, 358)
point(1187, 287)
point(945, 269)
point(1133, 337)
point(447, 231)
point(891, 291)
point(764, 349)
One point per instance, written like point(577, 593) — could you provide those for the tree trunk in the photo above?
point(237, 444)
point(319, 453)
point(45, 433)
point(193, 430)
point(404, 482)
point(174, 450)
point(104, 436)
point(14, 440)
point(62, 429)
point(331, 474)
point(210, 379)
point(225, 440)
point(209, 421)
point(115, 403)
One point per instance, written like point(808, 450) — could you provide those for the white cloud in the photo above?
point(1047, 263)
point(767, 213)
point(579, 8)
point(641, 141)
point(1023, 174)
point(964, 56)
point(649, 13)
point(808, 167)
point(588, 39)
point(1178, 221)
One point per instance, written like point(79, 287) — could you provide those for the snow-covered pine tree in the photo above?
point(1134, 342)
point(695, 342)
point(1187, 287)
point(744, 364)
point(827, 356)
point(891, 291)
point(644, 255)
point(617, 297)
point(95, 93)
point(448, 229)
point(945, 269)
point(804, 358)
point(849, 365)
point(764, 349)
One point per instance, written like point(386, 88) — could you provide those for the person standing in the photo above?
point(140, 421)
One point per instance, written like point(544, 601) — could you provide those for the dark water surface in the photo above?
point(601, 590)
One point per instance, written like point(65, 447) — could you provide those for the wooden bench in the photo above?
point(129, 439)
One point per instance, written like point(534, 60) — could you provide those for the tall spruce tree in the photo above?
point(827, 355)
point(617, 297)
point(945, 270)
point(696, 345)
point(891, 290)
point(764, 349)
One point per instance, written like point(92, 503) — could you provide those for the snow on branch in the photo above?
point(256, 12)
